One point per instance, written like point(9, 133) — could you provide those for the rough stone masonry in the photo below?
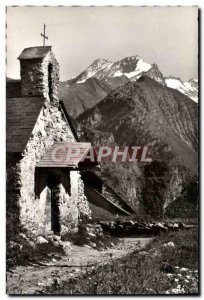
point(36, 203)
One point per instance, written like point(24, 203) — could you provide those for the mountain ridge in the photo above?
point(114, 74)
point(145, 112)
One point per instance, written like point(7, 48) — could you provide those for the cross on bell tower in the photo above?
point(44, 36)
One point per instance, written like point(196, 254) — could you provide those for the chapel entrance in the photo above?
point(53, 183)
point(51, 186)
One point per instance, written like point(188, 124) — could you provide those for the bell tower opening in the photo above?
point(50, 81)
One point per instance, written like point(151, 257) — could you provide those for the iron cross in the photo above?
point(44, 36)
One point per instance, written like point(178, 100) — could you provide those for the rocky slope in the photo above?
point(155, 74)
point(149, 104)
point(78, 97)
point(148, 113)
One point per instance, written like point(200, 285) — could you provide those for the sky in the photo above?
point(167, 36)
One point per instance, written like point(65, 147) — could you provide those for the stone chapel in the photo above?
point(43, 197)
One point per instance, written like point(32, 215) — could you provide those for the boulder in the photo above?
point(162, 227)
point(93, 245)
point(169, 226)
point(175, 227)
point(143, 253)
point(41, 240)
point(88, 246)
point(91, 235)
point(23, 236)
point(169, 245)
point(56, 243)
point(65, 245)
point(56, 238)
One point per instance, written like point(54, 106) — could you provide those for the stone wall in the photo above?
point(35, 77)
point(13, 185)
point(50, 127)
point(73, 207)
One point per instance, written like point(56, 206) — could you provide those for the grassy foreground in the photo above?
point(168, 266)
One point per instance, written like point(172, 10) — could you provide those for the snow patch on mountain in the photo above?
point(140, 67)
point(118, 74)
point(189, 88)
point(93, 69)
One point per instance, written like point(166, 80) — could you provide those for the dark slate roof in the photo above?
point(21, 116)
point(13, 88)
point(69, 120)
point(35, 52)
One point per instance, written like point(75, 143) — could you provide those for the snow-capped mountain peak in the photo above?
point(132, 67)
